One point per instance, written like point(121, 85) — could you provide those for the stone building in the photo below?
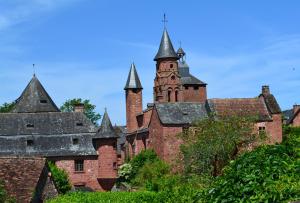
point(36, 127)
point(180, 99)
point(27, 179)
point(292, 116)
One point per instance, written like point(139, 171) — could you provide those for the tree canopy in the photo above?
point(89, 109)
point(7, 107)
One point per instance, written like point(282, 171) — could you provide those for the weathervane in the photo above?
point(165, 20)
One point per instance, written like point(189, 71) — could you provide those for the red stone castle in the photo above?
point(91, 155)
point(180, 99)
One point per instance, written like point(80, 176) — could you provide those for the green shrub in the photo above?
point(106, 197)
point(60, 178)
point(267, 174)
point(4, 197)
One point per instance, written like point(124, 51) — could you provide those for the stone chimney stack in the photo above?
point(296, 107)
point(79, 108)
point(265, 90)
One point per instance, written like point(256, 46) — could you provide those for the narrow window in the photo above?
point(171, 65)
point(169, 95)
point(43, 101)
point(79, 124)
point(79, 165)
point(75, 141)
point(115, 166)
point(176, 96)
point(29, 143)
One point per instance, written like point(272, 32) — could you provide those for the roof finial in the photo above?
point(33, 66)
point(105, 109)
point(165, 21)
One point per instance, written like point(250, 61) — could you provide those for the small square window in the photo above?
point(186, 87)
point(171, 65)
point(75, 141)
point(43, 101)
point(29, 143)
point(79, 165)
point(79, 124)
point(30, 125)
point(196, 88)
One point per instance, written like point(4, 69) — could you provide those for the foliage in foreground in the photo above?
point(211, 143)
point(89, 109)
point(106, 197)
point(4, 197)
point(60, 178)
point(267, 174)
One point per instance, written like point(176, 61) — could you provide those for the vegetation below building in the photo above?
point(269, 173)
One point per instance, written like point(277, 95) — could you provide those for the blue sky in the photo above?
point(84, 48)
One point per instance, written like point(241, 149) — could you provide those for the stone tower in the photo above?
point(134, 105)
point(167, 86)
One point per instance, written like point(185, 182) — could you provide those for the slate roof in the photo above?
point(133, 80)
point(181, 112)
point(34, 99)
point(121, 132)
point(186, 77)
point(240, 106)
point(23, 177)
point(166, 49)
point(52, 123)
point(287, 114)
point(106, 129)
point(271, 103)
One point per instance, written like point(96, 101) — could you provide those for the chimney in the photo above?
point(265, 90)
point(296, 107)
point(79, 107)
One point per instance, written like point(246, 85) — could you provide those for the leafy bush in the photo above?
point(267, 174)
point(60, 178)
point(106, 197)
point(124, 172)
point(4, 197)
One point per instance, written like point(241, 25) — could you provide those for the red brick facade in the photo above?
point(194, 94)
point(99, 172)
point(134, 106)
point(295, 122)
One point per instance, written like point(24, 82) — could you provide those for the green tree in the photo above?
point(211, 143)
point(7, 107)
point(89, 109)
point(60, 178)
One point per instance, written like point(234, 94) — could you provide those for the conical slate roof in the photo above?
point(34, 99)
point(106, 129)
point(133, 81)
point(166, 49)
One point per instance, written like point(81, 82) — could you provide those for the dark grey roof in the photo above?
point(180, 52)
point(34, 99)
point(186, 77)
point(121, 132)
point(106, 129)
point(133, 81)
point(48, 145)
point(166, 49)
point(287, 114)
point(271, 103)
point(181, 112)
point(51, 123)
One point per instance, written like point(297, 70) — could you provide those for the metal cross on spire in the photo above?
point(165, 20)
point(33, 67)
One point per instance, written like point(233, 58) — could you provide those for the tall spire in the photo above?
point(133, 81)
point(106, 129)
point(166, 49)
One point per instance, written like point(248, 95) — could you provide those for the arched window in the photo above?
point(176, 96)
point(169, 95)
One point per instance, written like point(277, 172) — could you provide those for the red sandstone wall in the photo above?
point(107, 158)
point(171, 143)
point(274, 128)
point(192, 95)
point(88, 177)
point(156, 141)
point(133, 106)
point(296, 121)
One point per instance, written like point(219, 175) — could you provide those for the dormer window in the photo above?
point(43, 101)
point(79, 124)
point(29, 125)
point(75, 141)
point(29, 143)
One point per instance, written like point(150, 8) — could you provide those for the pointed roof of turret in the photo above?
point(133, 81)
point(34, 99)
point(166, 49)
point(106, 129)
